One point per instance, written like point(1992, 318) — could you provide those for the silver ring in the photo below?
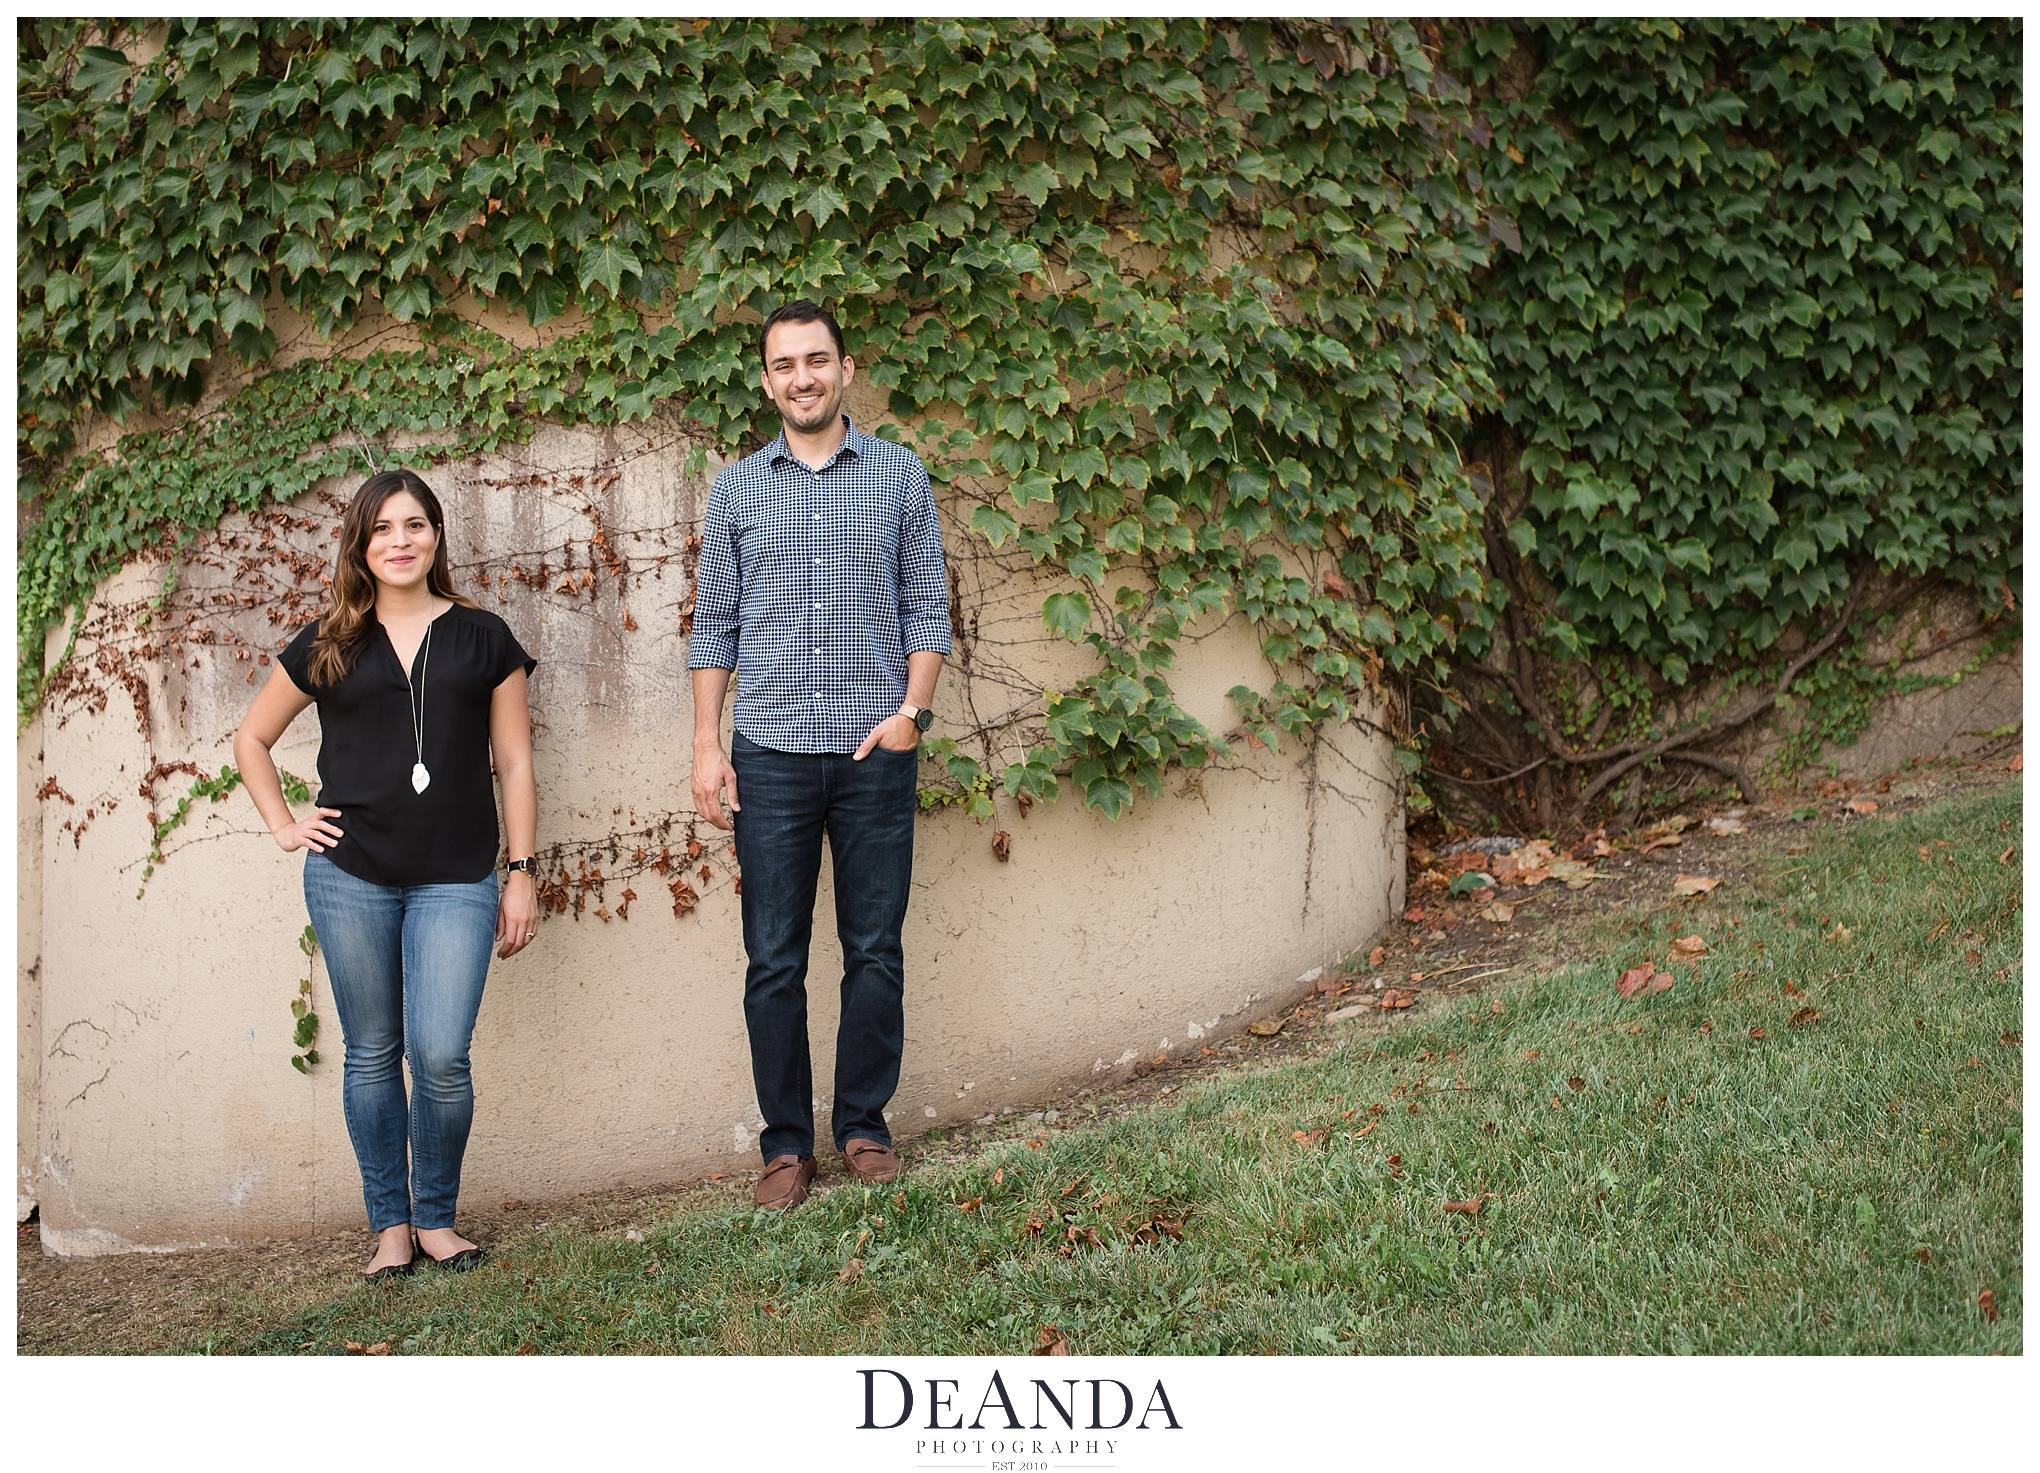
point(529, 934)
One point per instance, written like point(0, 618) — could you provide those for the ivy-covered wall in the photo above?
point(1558, 380)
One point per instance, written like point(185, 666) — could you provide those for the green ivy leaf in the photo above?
point(1066, 615)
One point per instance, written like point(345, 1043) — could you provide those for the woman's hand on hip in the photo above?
point(516, 914)
point(312, 833)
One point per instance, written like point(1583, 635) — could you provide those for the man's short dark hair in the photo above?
point(799, 312)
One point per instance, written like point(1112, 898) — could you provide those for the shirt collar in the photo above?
point(854, 441)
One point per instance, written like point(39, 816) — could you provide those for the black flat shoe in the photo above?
point(458, 1263)
point(390, 1271)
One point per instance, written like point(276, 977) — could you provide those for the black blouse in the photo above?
point(391, 834)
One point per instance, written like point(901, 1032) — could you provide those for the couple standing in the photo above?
point(822, 564)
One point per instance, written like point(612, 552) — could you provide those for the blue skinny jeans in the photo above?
point(791, 799)
point(407, 964)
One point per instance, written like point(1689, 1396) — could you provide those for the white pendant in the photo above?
point(419, 777)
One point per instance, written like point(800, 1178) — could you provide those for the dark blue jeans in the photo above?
point(867, 810)
point(407, 964)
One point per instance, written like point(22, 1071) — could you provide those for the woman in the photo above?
point(418, 689)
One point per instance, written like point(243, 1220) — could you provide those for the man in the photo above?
point(821, 566)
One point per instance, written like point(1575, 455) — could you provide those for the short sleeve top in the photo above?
point(392, 834)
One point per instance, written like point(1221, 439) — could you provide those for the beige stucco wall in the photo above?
point(158, 1102)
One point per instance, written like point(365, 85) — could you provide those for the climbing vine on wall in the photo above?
point(1760, 350)
point(1178, 306)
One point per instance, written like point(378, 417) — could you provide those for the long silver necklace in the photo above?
point(416, 704)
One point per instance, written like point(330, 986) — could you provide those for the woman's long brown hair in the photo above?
point(350, 618)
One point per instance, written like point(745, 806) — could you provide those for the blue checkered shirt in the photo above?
point(825, 581)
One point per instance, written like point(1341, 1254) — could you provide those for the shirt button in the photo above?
point(818, 695)
point(818, 562)
point(818, 516)
point(817, 606)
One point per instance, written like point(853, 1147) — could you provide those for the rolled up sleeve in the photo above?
point(924, 578)
point(713, 645)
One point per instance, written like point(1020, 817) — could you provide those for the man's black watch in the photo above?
point(921, 716)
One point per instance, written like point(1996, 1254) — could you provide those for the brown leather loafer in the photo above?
point(784, 1181)
point(870, 1160)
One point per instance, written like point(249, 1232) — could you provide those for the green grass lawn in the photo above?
point(1653, 1176)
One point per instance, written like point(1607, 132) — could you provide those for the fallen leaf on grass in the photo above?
point(1395, 1164)
point(1413, 914)
point(1804, 1016)
point(1048, 1340)
point(1157, 1228)
point(1530, 1053)
point(849, 1272)
point(1757, 1032)
point(1706, 1028)
point(1375, 956)
point(1662, 982)
point(1266, 1027)
point(1972, 957)
point(381, 1347)
point(2017, 764)
point(1790, 990)
point(1725, 826)
point(1668, 841)
point(1471, 1206)
point(1366, 1130)
point(513, 1205)
point(1924, 1255)
point(2006, 857)
point(1986, 1301)
point(1075, 1184)
point(970, 1206)
point(1500, 912)
point(1634, 980)
point(1394, 999)
point(2008, 1039)
point(1862, 805)
point(1694, 884)
point(1309, 1137)
point(1576, 1082)
point(1688, 948)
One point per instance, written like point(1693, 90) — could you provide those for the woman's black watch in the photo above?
point(529, 866)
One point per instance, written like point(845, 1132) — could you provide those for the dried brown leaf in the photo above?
point(1048, 1340)
point(1694, 884)
point(849, 1271)
point(1635, 979)
point(1803, 1017)
point(1688, 948)
point(1986, 1302)
point(1266, 1027)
